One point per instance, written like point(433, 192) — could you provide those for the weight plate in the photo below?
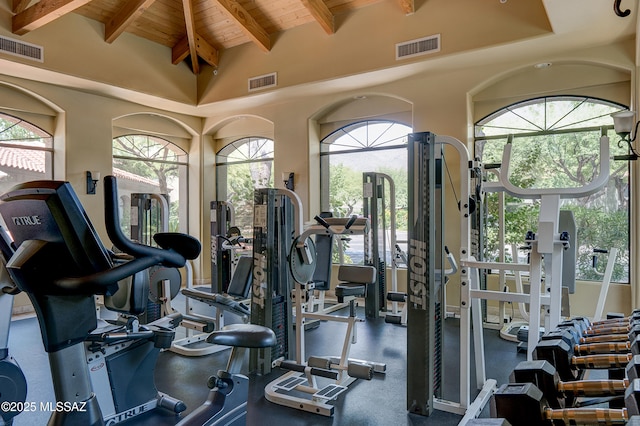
point(161, 273)
point(302, 272)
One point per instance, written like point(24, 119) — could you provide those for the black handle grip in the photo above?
point(351, 221)
point(322, 222)
point(97, 282)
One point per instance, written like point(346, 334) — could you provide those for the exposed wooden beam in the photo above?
point(190, 22)
point(42, 13)
point(249, 25)
point(407, 6)
point(19, 5)
point(127, 14)
point(321, 13)
point(206, 51)
point(180, 51)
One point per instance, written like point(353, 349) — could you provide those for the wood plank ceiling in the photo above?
point(195, 30)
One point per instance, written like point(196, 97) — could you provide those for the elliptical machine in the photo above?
point(61, 264)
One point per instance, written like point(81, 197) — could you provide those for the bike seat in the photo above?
point(244, 336)
point(186, 245)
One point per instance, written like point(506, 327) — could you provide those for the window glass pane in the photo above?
point(367, 146)
point(563, 153)
point(241, 167)
point(366, 134)
point(25, 152)
point(147, 164)
point(246, 149)
point(15, 131)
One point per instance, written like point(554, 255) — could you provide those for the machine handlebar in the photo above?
point(536, 193)
point(321, 221)
point(176, 247)
point(351, 221)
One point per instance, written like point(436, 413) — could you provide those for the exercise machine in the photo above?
point(401, 297)
point(222, 219)
point(321, 279)
point(150, 215)
point(425, 310)
point(230, 283)
point(234, 299)
point(272, 284)
point(13, 384)
point(548, 245)
point(300, 387)
point(61, 264)
point(422, 153)
point(378, 251)
point(226, 403)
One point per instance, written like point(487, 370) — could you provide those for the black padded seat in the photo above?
point(243, 336)
point(349, 289)
point(353, 280)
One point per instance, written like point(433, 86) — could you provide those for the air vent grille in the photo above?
point(421, 46)
point(263, 81)
point(22, 49)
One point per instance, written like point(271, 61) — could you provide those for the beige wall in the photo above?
point(444, 94)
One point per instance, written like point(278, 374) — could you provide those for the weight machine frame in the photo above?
point(374, 208)
point(421, 395)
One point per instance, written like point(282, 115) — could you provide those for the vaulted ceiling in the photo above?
point(195, 30)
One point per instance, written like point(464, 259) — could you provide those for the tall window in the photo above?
point(26, 152)
point(366, 146)
point(555, 144)
point(241, 167)
point(147, 164)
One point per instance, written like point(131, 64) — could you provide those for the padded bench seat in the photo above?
point(353, 280)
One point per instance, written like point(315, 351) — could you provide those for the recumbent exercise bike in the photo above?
point(61, 264)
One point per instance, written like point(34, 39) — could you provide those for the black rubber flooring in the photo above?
point(381, 401)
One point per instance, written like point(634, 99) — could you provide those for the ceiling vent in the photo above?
point(263, 82)
point(421, 46)
point(21, 49)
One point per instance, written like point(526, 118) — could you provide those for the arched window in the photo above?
point(26, 152)
point(241, 167)
point(345, 154)
point(147, 164)
point(555, 144)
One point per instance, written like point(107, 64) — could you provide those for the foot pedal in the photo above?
point(290, 383)
point(330, 392)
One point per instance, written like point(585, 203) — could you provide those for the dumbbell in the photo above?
point(635, 315)
point(586, 329)
point(523, 404)
point(561, 394)
point(591, 345)
point(570, 367)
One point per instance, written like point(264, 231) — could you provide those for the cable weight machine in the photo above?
point(273, 234)
point(377, 245)
point(426, 310)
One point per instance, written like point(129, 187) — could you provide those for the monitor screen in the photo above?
point(50, 211)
